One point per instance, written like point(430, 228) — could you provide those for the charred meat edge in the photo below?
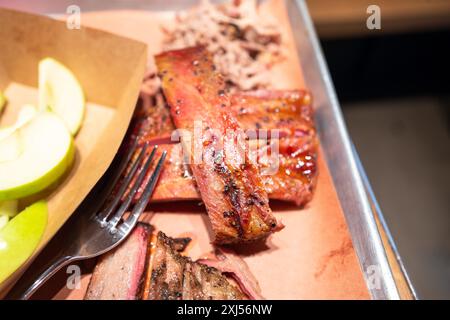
point(195, 92)
point(176, 277)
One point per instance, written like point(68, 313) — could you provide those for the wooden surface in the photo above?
point(347, 18)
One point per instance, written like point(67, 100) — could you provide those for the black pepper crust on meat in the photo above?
point(176, 277)
point(201, 98)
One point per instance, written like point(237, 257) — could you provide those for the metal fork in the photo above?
point(101, 225)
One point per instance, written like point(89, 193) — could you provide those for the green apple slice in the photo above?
point(47, 151)
point(10, 147)
point(60, 91)
point(20, 237)
point(26, 113)
point(8, 209)
point(3, 221)
point(2, 101)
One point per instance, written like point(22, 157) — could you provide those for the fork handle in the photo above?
point(29, 284)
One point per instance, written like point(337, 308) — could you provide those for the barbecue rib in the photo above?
point(227, 178)
point(175, 277)
point(119, 274)
point(288, 111)
point(293, 181)
point(230, 263)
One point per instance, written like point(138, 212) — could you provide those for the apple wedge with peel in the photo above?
point(8, 209)
point(3, 221)
point(20, 237)
point(2, 101)
point(45, 151)
point(10, 147)
point(26, 113)
point(60, 91)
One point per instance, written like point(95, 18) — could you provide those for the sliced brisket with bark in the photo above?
point(119, 274)
point(166, 282)
point(142, 268)
point(202, 282)
point(176, 277)
point(230, 263)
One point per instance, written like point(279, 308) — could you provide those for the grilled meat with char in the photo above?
point(288, 176)
point(290, 112)
point(227, 178)
point(176, 277)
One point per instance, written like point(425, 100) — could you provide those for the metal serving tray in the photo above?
point(354, 191)
point(356, 197)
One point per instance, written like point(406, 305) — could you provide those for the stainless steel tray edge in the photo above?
point(339, 157)
point(377, 211)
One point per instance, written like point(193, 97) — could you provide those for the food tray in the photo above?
point(347, 178)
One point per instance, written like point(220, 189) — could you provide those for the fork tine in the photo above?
point(106, 184)
point(123, 165)
point(123, 208)
point(145, 198)
point(106, 212)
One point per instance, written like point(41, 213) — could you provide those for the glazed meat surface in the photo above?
point(227, 178)
point(290, 112)
point(293, 180)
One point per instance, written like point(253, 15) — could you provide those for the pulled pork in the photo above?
point(244, 44)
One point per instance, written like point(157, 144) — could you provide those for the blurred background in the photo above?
point(394, 88)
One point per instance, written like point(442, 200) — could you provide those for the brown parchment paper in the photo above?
point(110, 69)
point(312, 258)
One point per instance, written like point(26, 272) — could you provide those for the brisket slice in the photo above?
point(231, 264)
point(122, 273)
point(119, 274)
point(227, 178)
point(175, 277)
point(180, 244)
